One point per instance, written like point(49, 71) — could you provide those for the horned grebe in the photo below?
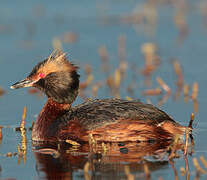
point(113, 120)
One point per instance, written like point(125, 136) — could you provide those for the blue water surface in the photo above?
point(27, 31)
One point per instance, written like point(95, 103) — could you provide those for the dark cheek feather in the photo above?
point(61, 91)
point(41, 83)
point(74, 80)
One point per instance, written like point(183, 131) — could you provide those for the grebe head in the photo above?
point(55, 76)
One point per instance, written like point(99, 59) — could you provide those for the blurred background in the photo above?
point(152, 50)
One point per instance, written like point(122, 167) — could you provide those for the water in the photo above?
point(27, 30)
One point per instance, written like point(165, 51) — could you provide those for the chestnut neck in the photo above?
point(54, 107)
point(51, 111)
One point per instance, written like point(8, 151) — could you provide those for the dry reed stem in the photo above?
point(117, 78)
point(163, 85)
point(23, 135)
point(104, 58)
point(147, 172)
point(128, 173)
point(24, 145)
point(149, 51)
point(174, 169)
point(187, 131)
point(195, 106)
point(86, 171)
point(19, 154)
point(186, 89)
point(198, 167)
point(152, 92)
point(22, 125)
point(186, 167)
point(192, 117)
point(194, 91)
point(178, 71)
point(204, 162)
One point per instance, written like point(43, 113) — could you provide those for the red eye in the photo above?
point(42, 75)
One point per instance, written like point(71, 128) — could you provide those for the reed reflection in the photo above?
point(113, 160)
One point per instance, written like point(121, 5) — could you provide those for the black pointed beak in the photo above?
point(22, 84)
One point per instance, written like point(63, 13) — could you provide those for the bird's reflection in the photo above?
point(102, 161)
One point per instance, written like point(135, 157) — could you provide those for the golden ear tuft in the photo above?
point(60, 57)
point(57, 61)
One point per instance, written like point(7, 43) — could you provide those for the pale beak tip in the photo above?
point(12, 87)
point(22, 84)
